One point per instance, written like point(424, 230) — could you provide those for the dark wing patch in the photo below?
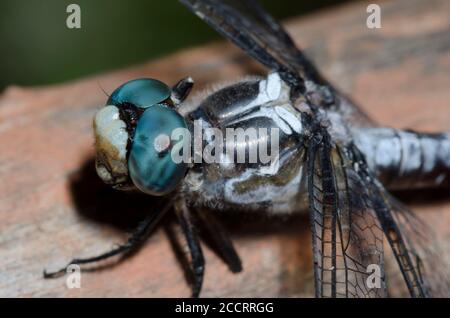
point(347, 237)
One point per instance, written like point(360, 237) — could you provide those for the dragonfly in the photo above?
point(334, 164)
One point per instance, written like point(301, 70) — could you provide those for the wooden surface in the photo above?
point(53, 206)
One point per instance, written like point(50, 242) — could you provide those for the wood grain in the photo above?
point(53, 206)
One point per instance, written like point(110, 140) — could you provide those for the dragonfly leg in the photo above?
point(181, 90)
point(198, 263)
point(138, 236)
point(221, 239)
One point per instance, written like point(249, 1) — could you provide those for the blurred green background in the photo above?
point(37, 48)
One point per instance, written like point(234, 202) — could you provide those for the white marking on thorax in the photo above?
point(284, 115)
point(273, 86)
point(269, 90)
point(268, 112)
point(280, 196)
point(289, 116)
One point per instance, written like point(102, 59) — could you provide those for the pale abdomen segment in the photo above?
point(406, 159)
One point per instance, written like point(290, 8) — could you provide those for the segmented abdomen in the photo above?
point(406, 159)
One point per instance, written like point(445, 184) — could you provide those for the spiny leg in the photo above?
point(221, 239)
point(198, 262)
point(136, 239)
point(181, 90)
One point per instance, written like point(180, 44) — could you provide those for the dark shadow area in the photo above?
point(100, 203)
point(422, 197)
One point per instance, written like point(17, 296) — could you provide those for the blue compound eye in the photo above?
point(151, 165)
point(142, 93)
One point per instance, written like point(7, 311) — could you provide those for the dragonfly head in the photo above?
point(134, 138)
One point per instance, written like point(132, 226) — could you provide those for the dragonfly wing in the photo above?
point(346, 234)
point(255, 31)
point(247, 25)
point(416, 250)
point(350, 214)
point(412, 242)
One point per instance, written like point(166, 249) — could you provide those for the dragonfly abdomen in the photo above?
point(406, 159)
